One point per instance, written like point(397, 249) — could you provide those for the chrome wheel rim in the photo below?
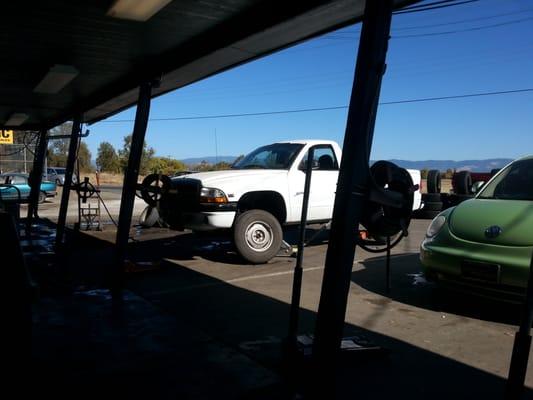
point(259, 236)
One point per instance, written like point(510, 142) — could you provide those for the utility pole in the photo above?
point(216, 147)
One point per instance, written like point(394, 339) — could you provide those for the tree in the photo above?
point(203, 166)
point(124, 154)
point(58, 152)
point(165, 165)
point(84, 157)
point(222, 165)
point(107, 159)
point(58, 149)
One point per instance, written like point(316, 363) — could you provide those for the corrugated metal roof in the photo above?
point(184, 42)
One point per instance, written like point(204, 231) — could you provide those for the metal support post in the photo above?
point(387, 267)
point(522, 345)
point(298, 270)
point(36, 177)
point(71, 160)
point(130, 182)
point(351, 192)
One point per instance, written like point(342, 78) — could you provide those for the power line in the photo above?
point(337, 35)
point(302, 110)
point(459, 96)
point(477, 28)
point(462, 21)
point(432, 6)
point(435, 3)
point(481, 58)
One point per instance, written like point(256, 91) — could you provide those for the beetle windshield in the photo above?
point(513, 183)
point(273, 156)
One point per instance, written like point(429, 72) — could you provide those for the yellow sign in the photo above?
point(6, 137)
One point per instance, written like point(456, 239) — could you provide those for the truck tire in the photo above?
point(149, 217)
point(42, 197)
point(463, 182)
point(257, 236)
point(433, 181)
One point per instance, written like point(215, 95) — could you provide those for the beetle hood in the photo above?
point(500, 222)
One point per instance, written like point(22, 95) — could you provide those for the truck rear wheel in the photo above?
point(257, 236)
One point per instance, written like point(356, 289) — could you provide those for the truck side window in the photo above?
point(323, 159)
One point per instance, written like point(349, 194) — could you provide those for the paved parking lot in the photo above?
point(440, 343)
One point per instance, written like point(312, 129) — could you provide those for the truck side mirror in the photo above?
point(303, 165)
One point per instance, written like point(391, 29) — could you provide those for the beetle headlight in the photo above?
point(212, 195)
point(435, 226)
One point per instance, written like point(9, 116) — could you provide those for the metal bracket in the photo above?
point(286, 250)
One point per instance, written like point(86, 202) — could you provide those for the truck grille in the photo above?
point(183, 196)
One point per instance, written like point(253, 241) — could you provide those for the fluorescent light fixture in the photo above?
point(56, 79)
point(17, 119)
point(136, 10)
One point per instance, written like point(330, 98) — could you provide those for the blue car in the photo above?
point(14, 186)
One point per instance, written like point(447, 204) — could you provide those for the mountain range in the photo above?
point(209, 160)
point(442, 165)
point(465, 165)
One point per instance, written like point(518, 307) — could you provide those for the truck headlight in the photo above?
point(435, 226)
point(212, 195)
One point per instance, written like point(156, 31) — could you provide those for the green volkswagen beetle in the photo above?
point(486, 243)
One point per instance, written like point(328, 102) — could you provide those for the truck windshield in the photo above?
point(273, 156)
point(513, 183)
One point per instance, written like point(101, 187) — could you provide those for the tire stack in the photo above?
point(462, 183)
point(432, 200)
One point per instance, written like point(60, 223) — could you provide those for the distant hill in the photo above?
point(209, 160)
point(441, 165)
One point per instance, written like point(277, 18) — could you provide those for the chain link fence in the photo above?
point(16, 157)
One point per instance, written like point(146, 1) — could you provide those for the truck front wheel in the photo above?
point(257, 236)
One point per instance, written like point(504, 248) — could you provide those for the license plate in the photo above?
point(480, 271)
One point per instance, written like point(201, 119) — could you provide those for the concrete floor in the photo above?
point(440, 343)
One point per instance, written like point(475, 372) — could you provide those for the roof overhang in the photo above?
point(99, 60)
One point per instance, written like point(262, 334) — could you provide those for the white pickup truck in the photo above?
point(260, 194)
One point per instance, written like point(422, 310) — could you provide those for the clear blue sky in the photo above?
point(319, 73)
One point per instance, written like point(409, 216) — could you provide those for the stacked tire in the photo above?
point(432, 199)
point(433, 181)
point(462, 183)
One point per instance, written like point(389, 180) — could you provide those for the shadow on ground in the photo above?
point(183, 334)
point(256, 325)
point(409, 286)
